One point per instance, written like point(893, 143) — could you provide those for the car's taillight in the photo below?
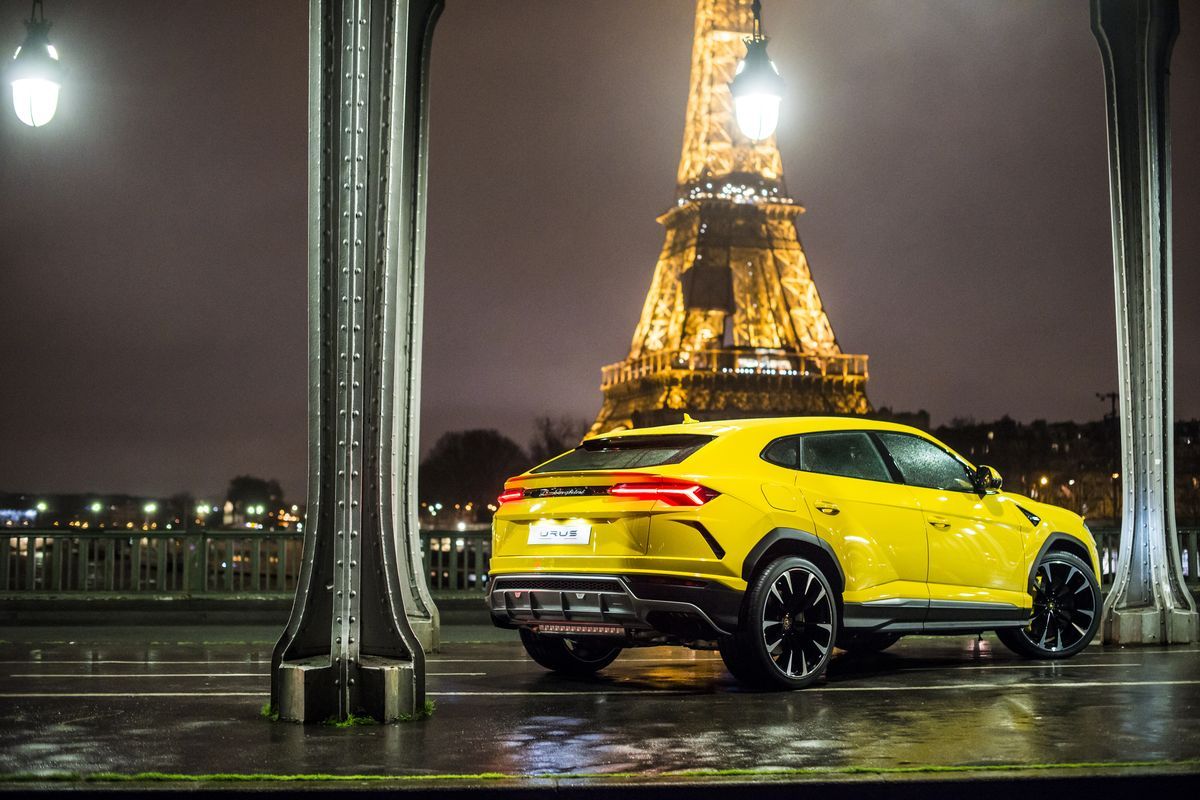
point(509, 495)
point(673, 493)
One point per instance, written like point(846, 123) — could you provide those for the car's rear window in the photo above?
point(627, 452)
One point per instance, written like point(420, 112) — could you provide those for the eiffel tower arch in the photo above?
point(733, 324)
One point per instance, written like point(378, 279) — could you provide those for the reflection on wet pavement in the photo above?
point(194, 708)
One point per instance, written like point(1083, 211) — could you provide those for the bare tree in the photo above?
point(553, 437)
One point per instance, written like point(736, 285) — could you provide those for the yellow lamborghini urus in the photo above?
point(777, 540)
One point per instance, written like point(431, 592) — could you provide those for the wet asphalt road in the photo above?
point(187, 700)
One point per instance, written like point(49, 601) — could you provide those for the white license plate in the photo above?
point(541, 533)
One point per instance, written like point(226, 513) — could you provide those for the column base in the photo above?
point(1151, 626)
point(426, 630)
point(387, 690)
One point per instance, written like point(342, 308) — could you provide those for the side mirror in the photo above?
point(987, 479)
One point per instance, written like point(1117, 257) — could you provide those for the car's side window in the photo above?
point(923, 463)
point(850, 454)
point(784, 452)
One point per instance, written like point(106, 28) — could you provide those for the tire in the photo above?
point(1066, 610)
point(734, 660)
point(788, 628)
point(570, 656)
point(869, 643)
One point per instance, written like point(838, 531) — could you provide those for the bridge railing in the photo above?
point(203, 562)
point(737, 362)
point(267, 562)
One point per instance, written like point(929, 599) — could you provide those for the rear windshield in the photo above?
point(627, 452)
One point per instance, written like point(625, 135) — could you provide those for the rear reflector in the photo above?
point(673, 493)
point(597, 629)
point(509, 495)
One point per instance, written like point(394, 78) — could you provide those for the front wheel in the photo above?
point(570, 656)
point(789, 625)
point(1066, 610)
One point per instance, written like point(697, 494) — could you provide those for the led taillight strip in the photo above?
point(671, 493)
point(509, 495)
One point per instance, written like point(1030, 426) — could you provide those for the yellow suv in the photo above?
point(776, 540)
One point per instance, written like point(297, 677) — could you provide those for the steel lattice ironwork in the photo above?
point(733, 324)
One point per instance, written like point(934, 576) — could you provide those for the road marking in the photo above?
point(1002, 686)
point(602, 693)
point(617, 692)
point(527, 660)
point(967, 686)
point(1044, 665)
point(133, 694)
point(194, 675)
point(38, 662)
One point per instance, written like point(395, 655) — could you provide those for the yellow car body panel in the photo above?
point(894, 543)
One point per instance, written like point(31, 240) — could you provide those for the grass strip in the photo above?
point(266, 777)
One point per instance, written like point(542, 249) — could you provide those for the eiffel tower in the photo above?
point(733, 325)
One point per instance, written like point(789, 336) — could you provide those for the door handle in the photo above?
point(827, 508)
point(940, 523)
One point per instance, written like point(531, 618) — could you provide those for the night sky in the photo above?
point(152, 239)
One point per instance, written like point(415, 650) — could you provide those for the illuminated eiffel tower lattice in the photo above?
point(733, 325)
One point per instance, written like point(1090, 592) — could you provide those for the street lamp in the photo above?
point(756, 86)
point(35, 74)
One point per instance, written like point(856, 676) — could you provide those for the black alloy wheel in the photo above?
point(1066, 610)
point(788, 629)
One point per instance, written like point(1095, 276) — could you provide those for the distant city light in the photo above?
point(96, 507)
point(1044, 480)
point(41, 506)
point(462, 526)
point(150, 508)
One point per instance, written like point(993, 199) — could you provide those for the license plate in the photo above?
point(542, 533)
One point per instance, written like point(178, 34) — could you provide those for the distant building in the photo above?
point(1072, 464)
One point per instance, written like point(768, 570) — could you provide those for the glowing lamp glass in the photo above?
point(35, 100)
point(757, 114)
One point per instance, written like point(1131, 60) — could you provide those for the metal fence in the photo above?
point(203, 562)
point(267, 562)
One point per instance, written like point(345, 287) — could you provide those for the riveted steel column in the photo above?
point(362, 618)
point(1149, 602)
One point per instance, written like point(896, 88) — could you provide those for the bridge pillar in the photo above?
point(1149, 603)
point(362, 618)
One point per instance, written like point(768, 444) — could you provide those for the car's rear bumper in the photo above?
point(572, 603)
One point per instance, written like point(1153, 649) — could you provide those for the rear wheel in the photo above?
point(570, 656)
point(788, 627)
point(1066, 610)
